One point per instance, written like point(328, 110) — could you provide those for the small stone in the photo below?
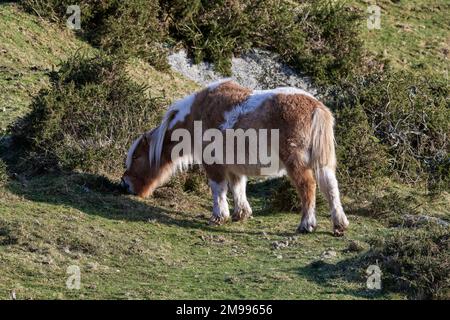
point(329, 254)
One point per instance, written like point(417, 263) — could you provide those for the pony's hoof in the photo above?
point(340, 225)
point(216, 221)
point(241, 215)
point(305, 229)
point(307, 226)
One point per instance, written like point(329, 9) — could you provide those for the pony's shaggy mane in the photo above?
point(157, 139)
point(177, 112)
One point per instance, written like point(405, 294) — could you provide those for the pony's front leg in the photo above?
point(221, 213)
point(242, 210)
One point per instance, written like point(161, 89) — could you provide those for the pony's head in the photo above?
point(137, 176)
point(143, 174)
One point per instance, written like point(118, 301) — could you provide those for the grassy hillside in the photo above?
point(29, 48)
point(162, 248)
point(414, 34)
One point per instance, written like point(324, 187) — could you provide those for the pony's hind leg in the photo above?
point(329, 186)
point(303, 179)
point(242, 210)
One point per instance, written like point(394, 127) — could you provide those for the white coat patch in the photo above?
point(183, 107)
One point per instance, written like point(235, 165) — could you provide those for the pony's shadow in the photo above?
point(97, 195)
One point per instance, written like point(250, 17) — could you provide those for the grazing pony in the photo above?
point(304, 149)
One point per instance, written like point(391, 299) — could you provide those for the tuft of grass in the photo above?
point(3, 173)
point(284, 197)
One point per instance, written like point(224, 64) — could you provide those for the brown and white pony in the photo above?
point(306, 150)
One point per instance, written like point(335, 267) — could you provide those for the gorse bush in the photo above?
point(284, 197)
point(361, 155)
point(387, 125)
point(319, 37)
point(414, 260)
point(119, 27)
point(408, 114)
point(134, 28)
point(89, 116)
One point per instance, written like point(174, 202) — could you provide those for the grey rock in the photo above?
point(256, 69)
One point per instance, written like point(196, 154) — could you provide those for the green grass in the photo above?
point(414, 34)
point(161, 247)
point(29, 48)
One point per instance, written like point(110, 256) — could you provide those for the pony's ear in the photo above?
point(148, 136)
point(145, 140)
point(172, 115)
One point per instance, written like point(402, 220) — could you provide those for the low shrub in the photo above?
point(134, 28)
point(192, 181)
point(407, 113)
point(284, 197)
point(416, 261)
point(119, 27)
point(319, 37)
point(362, 159)
point(88, 118)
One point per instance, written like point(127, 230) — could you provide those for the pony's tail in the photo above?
point(322, 151)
